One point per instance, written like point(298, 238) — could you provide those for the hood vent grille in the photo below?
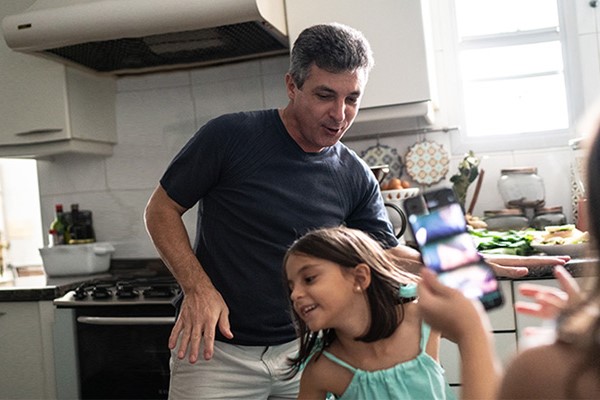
point(180, 49)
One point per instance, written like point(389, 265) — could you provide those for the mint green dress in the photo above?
point(419, 378)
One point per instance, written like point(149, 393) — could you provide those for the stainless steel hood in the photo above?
point(136, 36)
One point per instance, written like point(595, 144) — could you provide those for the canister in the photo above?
point(505, 220)
point(521, 188)
point(548, 216)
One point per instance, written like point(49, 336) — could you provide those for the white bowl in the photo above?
point(399, 194)
point(578, 250)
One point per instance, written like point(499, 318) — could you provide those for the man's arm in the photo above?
point(203, 307)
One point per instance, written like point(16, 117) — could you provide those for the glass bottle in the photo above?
point(76, 229)
point(521, 188)
point(58, 227)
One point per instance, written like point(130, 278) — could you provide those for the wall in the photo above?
point(158, 113)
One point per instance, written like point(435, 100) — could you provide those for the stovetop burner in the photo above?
point(123, 290)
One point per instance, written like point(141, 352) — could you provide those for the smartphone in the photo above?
point(438, 224)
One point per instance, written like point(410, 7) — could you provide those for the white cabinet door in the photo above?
point(396, 30)
point(26, 362)
point(524, 321)
point(47, 108)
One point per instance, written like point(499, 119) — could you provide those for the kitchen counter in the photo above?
point(36, 286)
point(40, 287)
point(579, 267)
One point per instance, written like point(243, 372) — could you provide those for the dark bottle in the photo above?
point(77, 230)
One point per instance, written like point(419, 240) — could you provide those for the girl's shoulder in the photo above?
point(324, 375)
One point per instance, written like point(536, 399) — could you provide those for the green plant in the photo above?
point(468, 170)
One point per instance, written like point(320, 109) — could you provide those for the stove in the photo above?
point(121, 291)
point(119, 331)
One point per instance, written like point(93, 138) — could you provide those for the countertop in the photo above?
point(36, 286)
point(39, 287)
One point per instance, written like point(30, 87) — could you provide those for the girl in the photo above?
point(360, 331)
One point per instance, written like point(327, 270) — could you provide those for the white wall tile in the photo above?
point(153, 81)
point(226, 72)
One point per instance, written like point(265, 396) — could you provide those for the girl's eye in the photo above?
point(310, 279)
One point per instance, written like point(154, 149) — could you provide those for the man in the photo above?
point(264, 178)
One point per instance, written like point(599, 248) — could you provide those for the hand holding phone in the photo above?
point(439, 227)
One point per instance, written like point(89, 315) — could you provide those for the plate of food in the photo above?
point(561, 240)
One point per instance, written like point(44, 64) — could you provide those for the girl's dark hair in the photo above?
point(577, 325)
point(348, 248)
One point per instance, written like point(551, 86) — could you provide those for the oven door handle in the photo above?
point(126, 320)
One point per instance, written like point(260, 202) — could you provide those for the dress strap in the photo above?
point(339, 362)
point(425, 331)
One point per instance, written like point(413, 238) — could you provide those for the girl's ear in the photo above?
point(362, 276)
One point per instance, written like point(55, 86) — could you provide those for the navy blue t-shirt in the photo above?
point(260, 191)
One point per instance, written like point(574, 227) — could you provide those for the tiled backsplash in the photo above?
point(158, 113)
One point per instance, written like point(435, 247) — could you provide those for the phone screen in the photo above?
point(439, 227)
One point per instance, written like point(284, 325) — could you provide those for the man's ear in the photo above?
point(362, 276)
point(290, 86)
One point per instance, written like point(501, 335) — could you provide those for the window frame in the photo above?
point(461, 143)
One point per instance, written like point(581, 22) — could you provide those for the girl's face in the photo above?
point(323, 293)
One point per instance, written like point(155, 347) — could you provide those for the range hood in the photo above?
point(135, 36)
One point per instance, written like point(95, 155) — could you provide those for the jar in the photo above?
point(505, 220)
point(548, 216)
point(521, 188)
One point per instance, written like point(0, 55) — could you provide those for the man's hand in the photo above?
point(518, 266)
point(202, 309)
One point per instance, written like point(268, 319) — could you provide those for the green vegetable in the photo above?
point(508, 243)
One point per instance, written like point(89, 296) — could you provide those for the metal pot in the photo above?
point(380, 172)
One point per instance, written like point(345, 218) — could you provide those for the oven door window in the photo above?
point(123, 360)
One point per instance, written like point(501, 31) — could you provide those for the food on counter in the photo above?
point(395, 184)
point(508, 243)
point(560, 234)
point(475, 222)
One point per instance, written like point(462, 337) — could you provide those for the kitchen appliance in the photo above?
point(120, 327)
point(125, 36)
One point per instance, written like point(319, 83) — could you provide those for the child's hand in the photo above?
point(447, 310)
point(549, 301)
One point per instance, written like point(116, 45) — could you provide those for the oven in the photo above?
point(119, 333)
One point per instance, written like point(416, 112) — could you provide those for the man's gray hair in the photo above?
point(333, 47)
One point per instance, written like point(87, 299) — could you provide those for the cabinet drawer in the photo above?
point(503, 318)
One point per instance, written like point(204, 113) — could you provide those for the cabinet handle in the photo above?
point(2, 313)
point(39, 131)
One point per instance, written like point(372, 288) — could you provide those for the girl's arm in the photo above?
point(463, 322)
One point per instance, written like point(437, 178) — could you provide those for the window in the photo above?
point(513, 62)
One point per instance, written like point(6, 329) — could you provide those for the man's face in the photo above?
point(324, 108)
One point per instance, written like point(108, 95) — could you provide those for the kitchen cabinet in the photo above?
point(27, 359)
point(524, 321)
point(401, 83)
point(48, 108)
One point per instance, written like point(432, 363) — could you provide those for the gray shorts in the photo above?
point(235, 372)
